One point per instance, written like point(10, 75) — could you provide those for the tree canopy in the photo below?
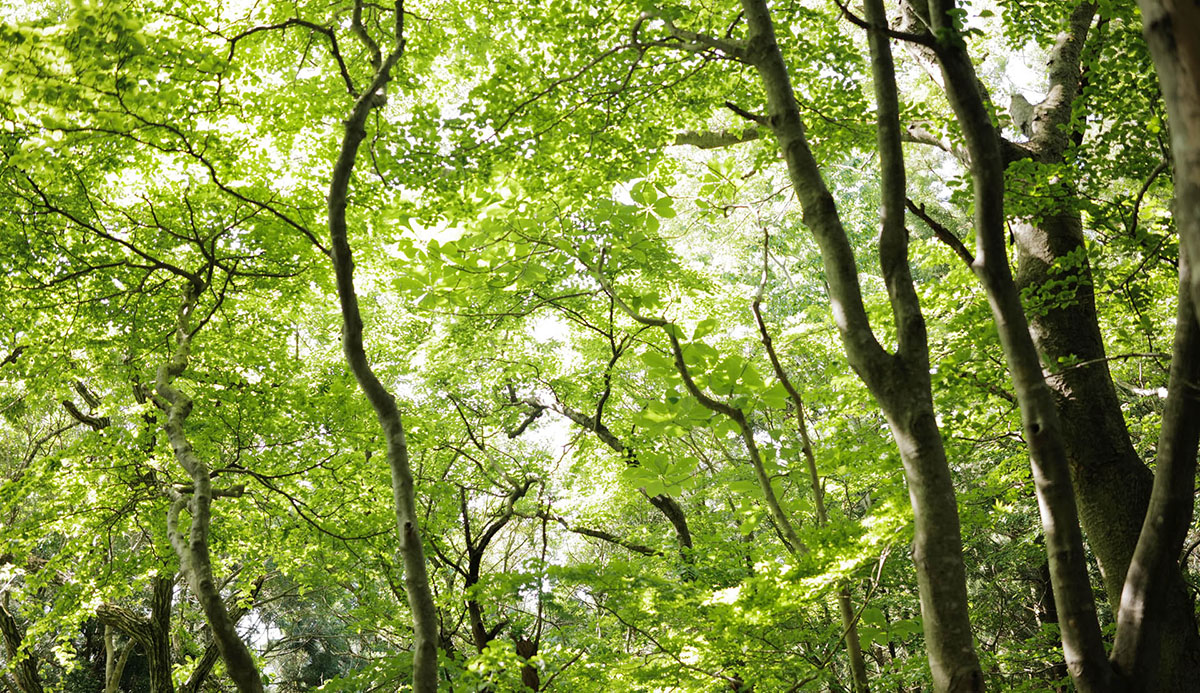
point(599, 346)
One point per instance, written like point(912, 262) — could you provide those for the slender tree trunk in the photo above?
point(854, 653)
point(115, 659)
point(900, 382)
point(1082, 644)
point(416, 578)
point(194, 560)
point(1145, 600)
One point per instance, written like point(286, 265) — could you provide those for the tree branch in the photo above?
point(716, 139)
point(594, 533)
point(325, 31)
point(942, 233)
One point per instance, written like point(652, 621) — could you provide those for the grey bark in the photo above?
point(900, 381)
point(115, 659)
point(1111, 482)
point(1145, 600)
point(1082, 643)
point(416, 578)
point(1112, 485)
point(151, 633)
point(192, 548)
point(1172, 29)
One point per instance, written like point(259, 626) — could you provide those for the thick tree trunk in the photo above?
point(1082, 644)
point(153, 634)
point(26, 671)
point(1104, 465)
point(526, 650)
point(1112, 484)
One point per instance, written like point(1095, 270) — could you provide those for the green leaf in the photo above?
point(705, 327)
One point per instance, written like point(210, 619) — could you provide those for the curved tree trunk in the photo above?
point(1112, 484)
point(1172, 30)
point(416, 577)
point(192, 548)
point(1145, 600)
point(26, 671)
point(899, 382)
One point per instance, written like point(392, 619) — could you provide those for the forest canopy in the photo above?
point(599, 346)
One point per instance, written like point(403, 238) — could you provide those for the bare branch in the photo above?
point(295, 21)
point(943, 234)
point(695, 42)
point(593, 533)
point(921, 39)
point(716, 139)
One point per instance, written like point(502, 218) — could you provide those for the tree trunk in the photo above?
point(1145, 601)
point(899, 382)
point(25, 671)
point(526, 650)
point(1172, 28)
point(1082, 643)
point(194, 560)
point(152, 634)
point(115, 659)
point(1112, 484)
point(416, 577)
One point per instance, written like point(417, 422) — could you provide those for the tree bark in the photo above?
point(26, 670)
point(899, 382)
point(1112, 485)
point(416, 577)
point(115, 659)
point(1171, 29)
point(194, 560)
point(1145, 600)
point(152, 634)
point(1082, 643)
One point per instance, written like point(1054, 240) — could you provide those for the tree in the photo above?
point(643, 414)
